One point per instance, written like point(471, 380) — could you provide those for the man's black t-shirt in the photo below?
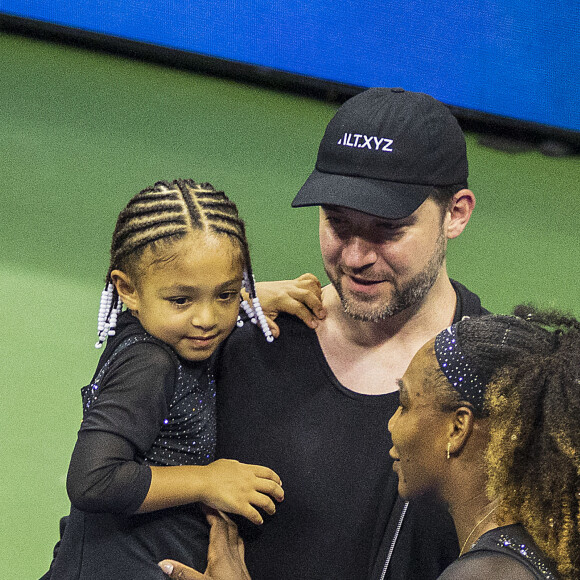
point(280, 405)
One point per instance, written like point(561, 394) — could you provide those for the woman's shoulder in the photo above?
point(483, 565)
point(505, 552)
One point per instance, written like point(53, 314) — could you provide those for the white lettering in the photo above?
point(369, 142)
point(377, 142)
point(388, 145)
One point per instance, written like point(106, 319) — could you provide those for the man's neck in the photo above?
point(368, 357)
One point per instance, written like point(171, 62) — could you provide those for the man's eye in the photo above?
point(389, 227)
point(338, 224)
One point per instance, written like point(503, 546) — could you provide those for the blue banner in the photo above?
point(514, 58)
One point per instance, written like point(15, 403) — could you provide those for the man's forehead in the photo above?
point(361, 215)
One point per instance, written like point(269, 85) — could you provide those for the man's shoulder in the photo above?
point(291, 328)
point(247, 345)
point(468, 303)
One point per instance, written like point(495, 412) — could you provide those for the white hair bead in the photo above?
point(249, 311)
point(254, 312)
point(262, 319)
point(108, 314)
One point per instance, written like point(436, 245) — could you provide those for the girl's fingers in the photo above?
point(311, 279)
point(266, 473)
point(252, 514)
point(264, 503)
point(305, 314)
point(270, 488)
point(274, 328)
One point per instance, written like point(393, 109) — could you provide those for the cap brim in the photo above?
point(387, 199)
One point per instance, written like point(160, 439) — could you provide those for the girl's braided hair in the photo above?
point(163, 214)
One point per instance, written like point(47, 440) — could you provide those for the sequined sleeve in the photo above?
point(486, 565)
point(106, 473)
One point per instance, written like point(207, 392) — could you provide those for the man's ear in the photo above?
point(459, 212)
point(460, 429)
point(126, 289)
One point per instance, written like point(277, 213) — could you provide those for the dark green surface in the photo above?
point(82, 132)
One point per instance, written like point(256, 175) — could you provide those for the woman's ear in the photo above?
point(460, 429)
point(126, 289)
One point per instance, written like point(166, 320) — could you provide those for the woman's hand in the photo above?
point(225, 554)
point(301, 297)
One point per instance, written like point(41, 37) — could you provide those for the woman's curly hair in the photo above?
point(533, 403)
point(534, 454)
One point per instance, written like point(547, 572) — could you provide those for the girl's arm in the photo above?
point(110, 480)
point(225, 484)
point(123, 423)
point(301, 297)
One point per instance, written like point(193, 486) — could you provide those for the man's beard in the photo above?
point(410, 294)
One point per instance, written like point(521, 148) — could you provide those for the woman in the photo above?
point(488, 423)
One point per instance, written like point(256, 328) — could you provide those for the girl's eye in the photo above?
point(179, 301)
point(229, 295)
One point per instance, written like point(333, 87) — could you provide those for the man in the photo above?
point(391, 183)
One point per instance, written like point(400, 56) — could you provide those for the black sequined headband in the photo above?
point(456, 366)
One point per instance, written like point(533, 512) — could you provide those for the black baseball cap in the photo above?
point(384, 151)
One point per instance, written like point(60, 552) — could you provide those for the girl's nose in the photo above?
point(204, 317)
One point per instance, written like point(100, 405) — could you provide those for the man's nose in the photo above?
point(359, 253)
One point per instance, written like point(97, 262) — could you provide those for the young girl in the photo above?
point(144, 458)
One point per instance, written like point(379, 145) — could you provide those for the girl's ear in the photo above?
point(460, 429)
point(126, 289)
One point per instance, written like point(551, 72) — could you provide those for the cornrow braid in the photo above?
point(533, 400)
point(165, 213)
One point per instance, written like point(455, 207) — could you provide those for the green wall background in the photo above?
point(82, 132)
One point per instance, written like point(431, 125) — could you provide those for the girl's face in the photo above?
point(419, 429)
point(188, 295)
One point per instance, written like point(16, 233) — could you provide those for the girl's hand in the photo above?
point(225, 554)
point(301, 297)
point(240, 488)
